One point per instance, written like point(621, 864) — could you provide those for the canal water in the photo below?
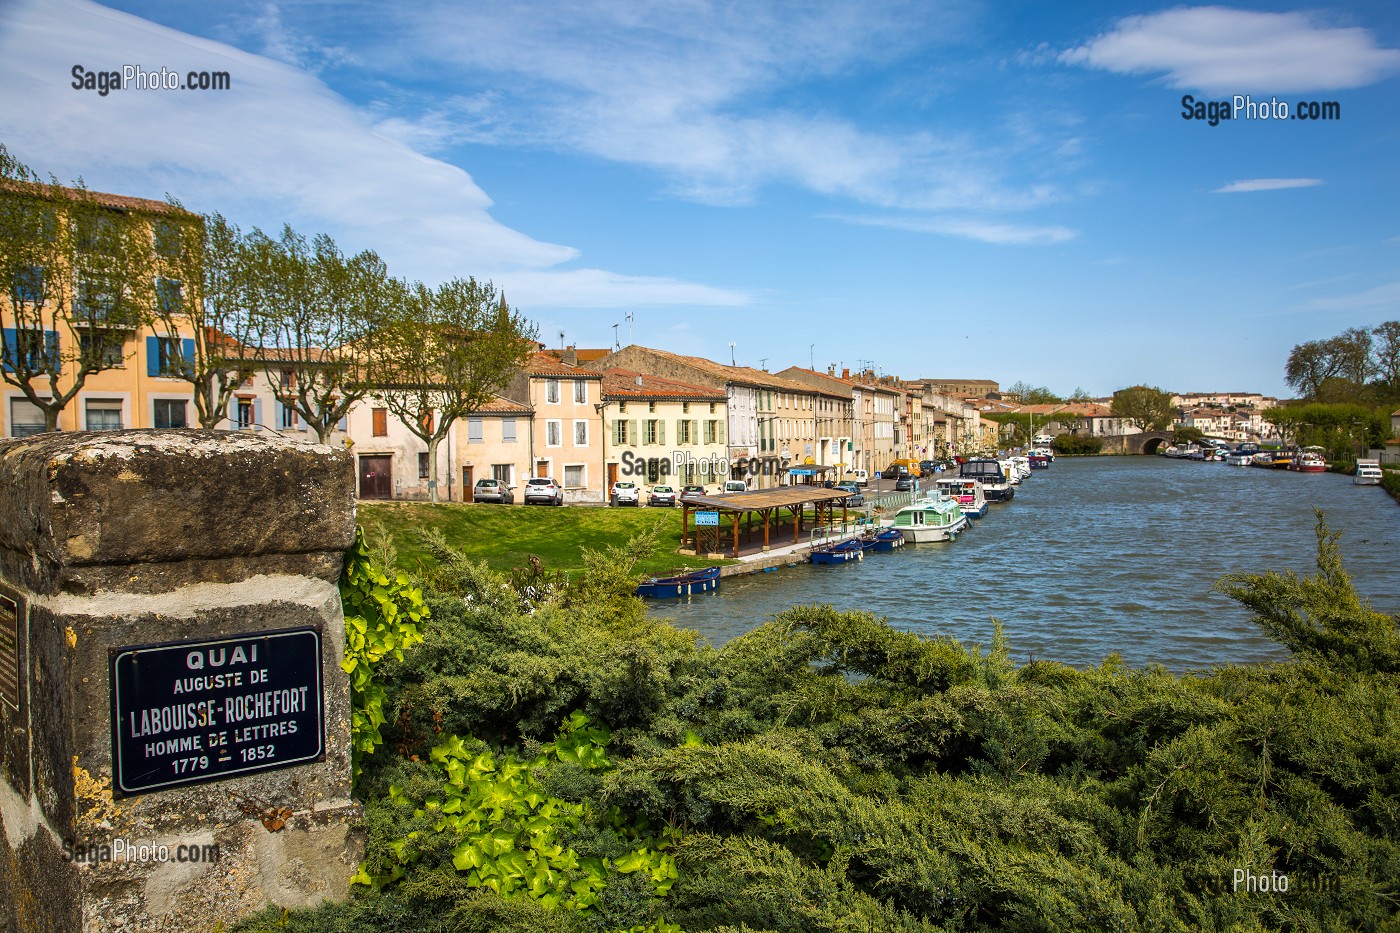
point(1094, 556)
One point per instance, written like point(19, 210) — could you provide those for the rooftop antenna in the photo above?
point(561, 340)
point(731, 354)
point(616, 345)
point(629, 328)
point(812, 356)
point(763, 363)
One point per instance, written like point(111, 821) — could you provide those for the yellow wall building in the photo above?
point(51, 301)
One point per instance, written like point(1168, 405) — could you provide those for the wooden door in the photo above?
point(542, 469)
point(612, 475)
point(467, 486)
point(377, 477)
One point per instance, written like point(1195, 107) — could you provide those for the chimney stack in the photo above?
point(845, 372)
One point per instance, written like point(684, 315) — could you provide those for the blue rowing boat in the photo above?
point(681, 584)
point(837, 552)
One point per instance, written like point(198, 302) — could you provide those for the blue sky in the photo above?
point(962, 189)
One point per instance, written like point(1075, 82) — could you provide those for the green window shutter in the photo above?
point(719, 431)
point(660, 431)
point(632, 432)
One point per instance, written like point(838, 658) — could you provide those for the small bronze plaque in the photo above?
point(12, 618)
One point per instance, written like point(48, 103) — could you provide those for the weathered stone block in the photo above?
point(116, 540)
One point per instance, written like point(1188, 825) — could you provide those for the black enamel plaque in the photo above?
point(195, 711)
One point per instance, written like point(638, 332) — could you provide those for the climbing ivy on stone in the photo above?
point(382, 618)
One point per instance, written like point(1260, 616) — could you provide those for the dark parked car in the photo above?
point(856, 499)
point(905, 483)
point(928, 467)
point(543, 489)
point(492, 490)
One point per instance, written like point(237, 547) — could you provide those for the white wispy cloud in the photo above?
point(1266, 184)
point(713, 97)
point(1384, 296)
point(981, 230)
point(1223, 50)
point(278, 147)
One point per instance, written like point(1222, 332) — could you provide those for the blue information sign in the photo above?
point(706, 518)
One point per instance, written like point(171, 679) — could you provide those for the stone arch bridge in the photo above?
point(1145, 443)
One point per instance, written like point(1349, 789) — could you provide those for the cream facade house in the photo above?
point(834, 422)
point(494, 443)
point(658, 430)
point(566, 432)
point(763, 409)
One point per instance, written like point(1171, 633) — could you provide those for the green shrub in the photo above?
point(1077, 445)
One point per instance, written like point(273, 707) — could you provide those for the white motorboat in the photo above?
point(1368, 473)
point(932, 518)
point(968, 494)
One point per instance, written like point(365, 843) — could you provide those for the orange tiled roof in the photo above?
point(499, 405)
point(743, 375)
point(623, 384)
point(117, 201)
point(543, 364)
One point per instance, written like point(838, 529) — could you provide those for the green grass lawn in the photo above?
point(507, 536)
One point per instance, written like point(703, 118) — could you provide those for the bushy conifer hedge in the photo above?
point(827, 772)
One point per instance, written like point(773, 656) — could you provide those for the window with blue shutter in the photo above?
point(168, 357)
point(25, 346)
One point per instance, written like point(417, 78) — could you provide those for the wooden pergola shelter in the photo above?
point(737, 507)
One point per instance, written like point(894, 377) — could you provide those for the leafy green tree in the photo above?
point(1309, 365)
point(79, 275)
point(207, 292)
point(1386, 362)
point(1032, 395)
point(1144, 407)
point(446, 352)
point(316, 314)
point(1184, 434)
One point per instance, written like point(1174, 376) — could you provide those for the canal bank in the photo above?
point(1093, 556)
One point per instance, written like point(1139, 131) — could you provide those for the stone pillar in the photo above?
point(168, 602)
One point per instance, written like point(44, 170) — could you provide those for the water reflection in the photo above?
point(1100, 555)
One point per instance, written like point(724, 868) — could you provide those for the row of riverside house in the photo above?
point(585, 418)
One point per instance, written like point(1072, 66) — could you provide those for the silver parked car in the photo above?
point(492, 490)
point(544, 490)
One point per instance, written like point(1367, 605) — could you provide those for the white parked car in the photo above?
point(662, 495)
point(543, 489)
point(625, 492)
